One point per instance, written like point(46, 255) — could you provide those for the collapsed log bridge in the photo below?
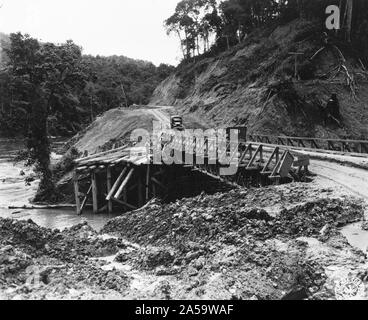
point(127, 178)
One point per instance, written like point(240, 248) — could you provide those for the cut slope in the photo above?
point(113, 127)
point(254, 84)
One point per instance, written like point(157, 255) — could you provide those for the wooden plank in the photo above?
point(100, 154)
point(248, 149)
point(259, 149)
point(314, 143)
point(301, 143)
point(141, 190)
point(103, 209)
point(286, 165)
point(76, 193)
point(278, 165)
point(85, 199)
point(125, 204)
point(290, 142)
point(82, 168)
point(109, 187)
point(274, 153)
point(217, 178)
point(101, 160)
point(117, 184)
point(94, 192)
point(124, 184)
point(315, 139)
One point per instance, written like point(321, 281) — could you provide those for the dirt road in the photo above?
point(347, 173)
point(161, 115)
point(352, 179)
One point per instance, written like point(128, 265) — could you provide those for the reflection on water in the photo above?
point(15, 193)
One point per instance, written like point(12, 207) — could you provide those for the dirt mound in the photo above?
point(223, 246)
point(228, 218)
point(38, 262)
point(309, 219)
point(12, 262)
point(78, 242)
point(113, 127)
point(25, 233)
point(254, 84)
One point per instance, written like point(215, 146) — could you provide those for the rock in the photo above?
point(325, 230)
point(199, 263)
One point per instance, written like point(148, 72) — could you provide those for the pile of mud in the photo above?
point(272, 243)
point(36, 262)
point(75, 243)
point(229, 218)
point(227, 246)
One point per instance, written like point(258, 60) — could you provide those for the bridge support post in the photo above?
point(94, 192)
point(148, 182)
point(76, 193)
point(109, 186)
point(141, 190)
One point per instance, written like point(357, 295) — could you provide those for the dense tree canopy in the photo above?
point(78, 87)
point(227, 23)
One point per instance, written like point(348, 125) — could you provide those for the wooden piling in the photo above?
point(124, 184)
point(148, 182)
point(141, 190)
point(94, 192)
point(116, 184)
point(76, 192)
point(109, 186)
point(85, 199)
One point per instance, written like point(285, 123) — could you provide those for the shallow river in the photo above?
point(15, 193)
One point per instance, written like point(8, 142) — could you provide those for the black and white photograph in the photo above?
point(207, 151)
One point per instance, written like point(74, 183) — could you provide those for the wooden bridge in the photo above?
point(335, 145)
point(129, 177)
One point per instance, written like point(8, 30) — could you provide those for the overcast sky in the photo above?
point(133, 28)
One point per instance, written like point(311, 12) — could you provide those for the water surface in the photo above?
point(15, 193)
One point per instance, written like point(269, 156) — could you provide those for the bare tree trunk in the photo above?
point(349, 11)
point(187, 44)
point(181, 44)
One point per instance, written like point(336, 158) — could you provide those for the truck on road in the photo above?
point(177, 123)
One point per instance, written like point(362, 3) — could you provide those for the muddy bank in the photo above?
point(239, 212)
point(227, 246)
point(40, 263)
point(239, 245)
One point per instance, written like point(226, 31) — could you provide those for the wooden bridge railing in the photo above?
point(350, 146)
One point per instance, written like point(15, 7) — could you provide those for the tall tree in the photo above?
point(44, 77)
point(349, 19)
point(191, 24)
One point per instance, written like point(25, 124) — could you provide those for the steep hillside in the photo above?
point(254, 84)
